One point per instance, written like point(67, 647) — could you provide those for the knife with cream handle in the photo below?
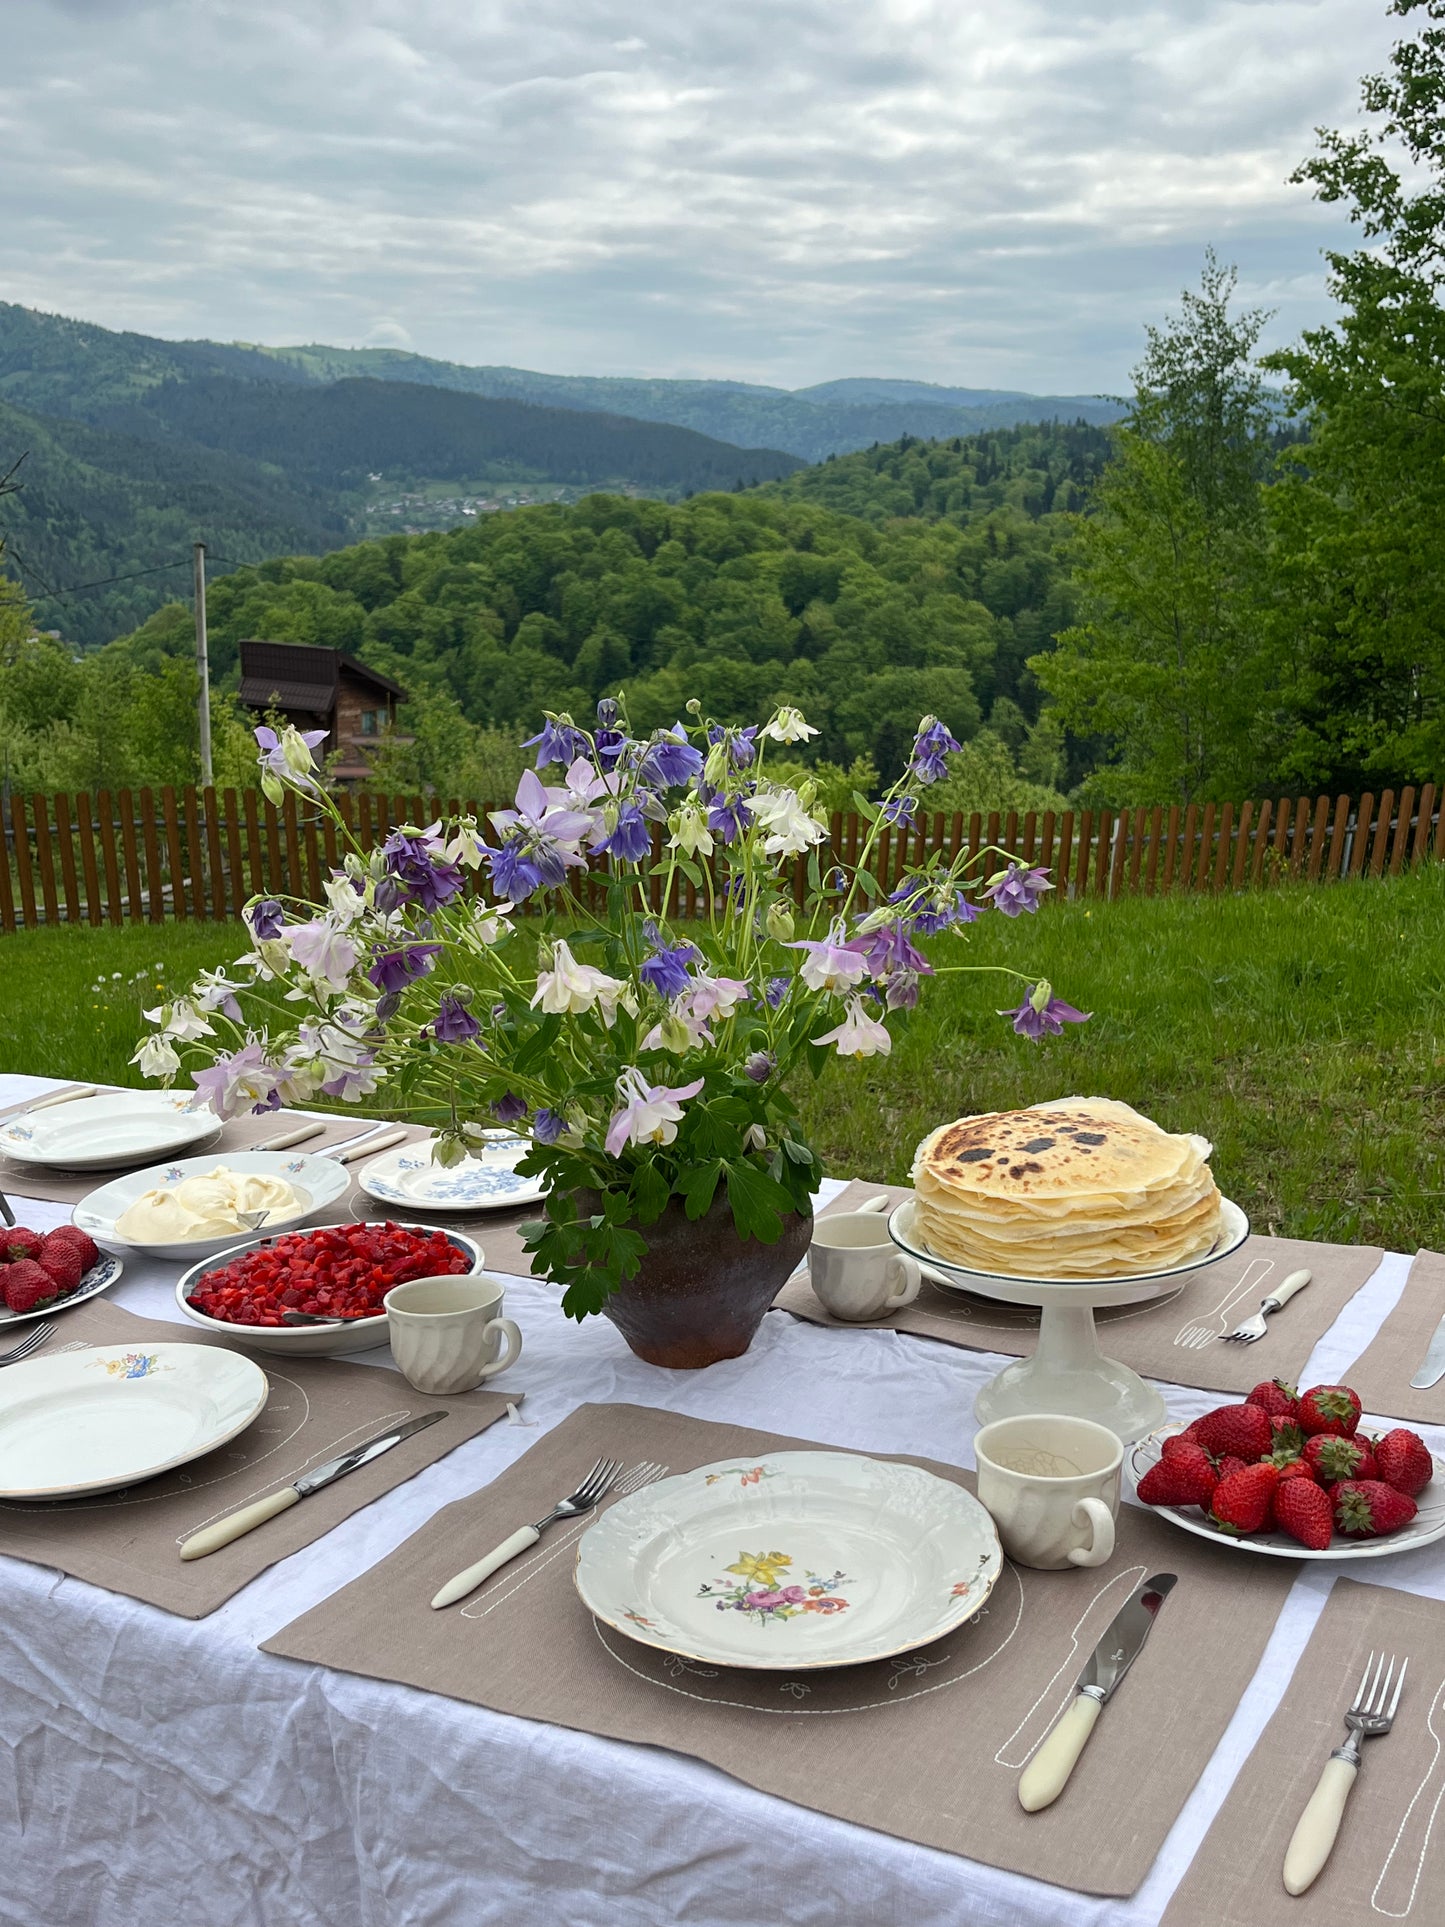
point(285, 1139)
point(360, 1147)
point(211, 1538)
point(1047, 1773)
point(61, 1097)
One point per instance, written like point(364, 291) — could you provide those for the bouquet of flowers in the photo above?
point(646, 1057)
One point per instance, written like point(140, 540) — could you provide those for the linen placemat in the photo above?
point(128, 1540)
point(1178, 1337)
point(1389, 1860)
point(927, 1746)
point(1382, 1373)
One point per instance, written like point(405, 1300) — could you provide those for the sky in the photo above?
point(993, 194)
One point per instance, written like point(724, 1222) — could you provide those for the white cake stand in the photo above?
point(1068, 1373)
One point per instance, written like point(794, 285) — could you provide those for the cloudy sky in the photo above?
point(989, 192)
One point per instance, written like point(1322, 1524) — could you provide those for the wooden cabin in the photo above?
point(323, 689)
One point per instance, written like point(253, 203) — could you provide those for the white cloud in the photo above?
point(782, 190)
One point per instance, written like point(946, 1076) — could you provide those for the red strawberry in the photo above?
point(1229, 1463)
point(1304, 1511)
point(1240, 1430)
point(1403, 1461)
point(1289, 1441)
point(1242, 1501)
point(27, 1285)
point(18, 1243)
point(71, 1234)
point(1296, 1469)
point(1185, 1477)
point(1178, 1442)
point(1329, 1408)
point(1332, 1458)
point(63, 1264)
point(1276, 1398)
point(1366, 1508)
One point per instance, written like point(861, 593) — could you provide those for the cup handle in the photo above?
point(1102, 1546)
point(509, 1331)
point(909, 1289)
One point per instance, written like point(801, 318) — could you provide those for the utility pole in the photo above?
point(203, 665)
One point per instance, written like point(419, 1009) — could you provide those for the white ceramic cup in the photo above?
point(857, 1270)
point(1052, 1486)
point(447, 1334)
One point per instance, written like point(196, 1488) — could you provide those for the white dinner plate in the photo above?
point(111, 1129)
point(92, 1420)
point(485, 1181)
point(1131, 1288)
point(319, 1180)
point(1424, 1529)
point(795, 1561)
point(101, 1276)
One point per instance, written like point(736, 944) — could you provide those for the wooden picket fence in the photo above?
point(142, 857)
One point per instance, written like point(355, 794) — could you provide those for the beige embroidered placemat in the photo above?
point(1178, 1337)
point(927, 1746)
point(1389, 1860)
point(128, 1540)
point(1382, 1373)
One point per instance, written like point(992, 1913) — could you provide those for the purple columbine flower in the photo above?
point(557, 741)
point(776, 989)
point(898, 809)
point(273, 752)
point(242, 1081)
point(888, 950)
point(728, 817)
point(267, 918)
point(902, 990)
point(741, 749)
point(508, 1109)
point(932, 744)
point(548, 1126)
point(421, 870)
point(395, 969)
point(610, 741)
point(630, 839)
point(1042, 1013)
point(454, 1023)
point(1018, 889)
point(665, 969)
point(515, 871)
point(669, 759)
point(760, 1066)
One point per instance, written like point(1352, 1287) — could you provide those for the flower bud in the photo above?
point(779, 922)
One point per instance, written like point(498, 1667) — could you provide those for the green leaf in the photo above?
point(649, 1193)
point(868, 884)
point(691, 871)
point(815, 875)
point(798, 1153)
point(864, 808)
point(758, 1202)
point(697, 1185)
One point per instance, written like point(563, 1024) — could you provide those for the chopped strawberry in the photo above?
point(27, 1285)
point(1275, 1397)
point(1242, 1501)
point(1185, 1477)
point(64, 1265)
point(1303, 1510)
point(1329, 1408)
point(1403, 1461)
point(344, 1271)
point(1368, 1508)
point(1243, 1431)
point(19, 1243)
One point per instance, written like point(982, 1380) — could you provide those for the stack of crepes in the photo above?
point(1080, 1188)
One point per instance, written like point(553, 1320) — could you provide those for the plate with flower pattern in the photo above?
point(100, 1277)
point(487, 1180)
point(111, 1129)
point(793, 1561)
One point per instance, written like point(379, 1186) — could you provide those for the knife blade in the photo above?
point(1047, 1773)
point(1432, 1370)
point(211, 1538)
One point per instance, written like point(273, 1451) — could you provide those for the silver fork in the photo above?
point(1194, 1337)
point(31, 1342)
point(1253, 1328)
point(1369, 1718)
point(596, 1485)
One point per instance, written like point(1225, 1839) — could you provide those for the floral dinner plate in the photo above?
point(101, 1276)
point(108, 1130)
point(487, 1181)
point(795, 1561)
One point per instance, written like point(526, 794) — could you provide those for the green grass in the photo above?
point(1302, 1030)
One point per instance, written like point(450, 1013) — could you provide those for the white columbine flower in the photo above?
point(788, 727)
point(347, 903)
point(570, 987)
point(649, 1114)
point(156, 1058)
point(489, 924)
point(859, 1035)
point(466, 845)
point(180, 1020)
point(690, 832)
point(791, 829)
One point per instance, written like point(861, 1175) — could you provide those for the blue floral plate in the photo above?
point(101, 1276)
point(487, 1181)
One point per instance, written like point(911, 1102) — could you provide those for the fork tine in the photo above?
point(1398, 1684)
point(600, 1478)
point(1382, 1686)
point(1357, 1704)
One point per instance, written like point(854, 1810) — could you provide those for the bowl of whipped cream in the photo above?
point(194, 1208)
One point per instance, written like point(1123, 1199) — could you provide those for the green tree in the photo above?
point(1166, 663)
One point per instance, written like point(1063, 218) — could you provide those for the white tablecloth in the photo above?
point(158, 1770)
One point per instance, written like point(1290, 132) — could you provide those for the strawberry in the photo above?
point(71, 1234)
point(1241, 1502)
point(1332, 1458)
point(18, 1243)
point(1304, 1511)
point(1275, 1397)
point(1289, 1441)
point(1229, 1463)
point(1403, 1461)
point(1241, 1430)
point(1329, 1408)
point(63, 1264)
point(26, 1285)
point(1178, 1442)
point(1296, 1469)
point(1185, 1477)
point(1367, 1508)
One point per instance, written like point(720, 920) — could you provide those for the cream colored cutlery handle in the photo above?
point(875, 1204)
point(1296, 1281)
point(1047, 1773)
point(1315, 1830)
point(469, 1580)
point(349, 1154)
point(285, 1139)
point(236, 1524)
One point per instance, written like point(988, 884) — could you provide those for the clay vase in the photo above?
point(701, 1291)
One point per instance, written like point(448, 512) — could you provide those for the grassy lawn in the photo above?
point(1303, 1030)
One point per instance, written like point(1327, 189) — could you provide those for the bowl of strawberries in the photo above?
point(1294, 1475)
point(45, 1271)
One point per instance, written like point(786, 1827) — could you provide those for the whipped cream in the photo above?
point(208, 1205)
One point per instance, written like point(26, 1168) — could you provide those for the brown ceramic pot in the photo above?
point(701, 1291)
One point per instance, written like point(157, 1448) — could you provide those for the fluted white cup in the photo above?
point(448, 1334)
point(1052, 1485)
point(856, 1269)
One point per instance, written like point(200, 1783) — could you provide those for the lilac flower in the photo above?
point(898, 809)
point(940, 915)
point(548, 1126)
point(242, 1081)
point(728, 817)
point(454, 1023)
point(629, 839)
point(288, 756)
point(266, 918)
point(421, 869)
point(325, 953)
point(388, 895)
point(830, 964)
point(508, 1109)
point(649, 1114)
point(738, 744)
point(542, 835)
point(1042, 1013)
point(353, 1080)
point(902, 990)
point(932, 744)
point(776, 989)
point(395, 969)
point(859, 1035)
point(557, 741)
point(717, 996)
point(1016, 889)
point(669, 759)
point(665, 969)
point(760, 1066)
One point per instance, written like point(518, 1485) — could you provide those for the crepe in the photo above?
point(1083, 1187)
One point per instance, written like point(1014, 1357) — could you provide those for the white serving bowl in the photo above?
point(321, 1179)
point(303, 1341)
